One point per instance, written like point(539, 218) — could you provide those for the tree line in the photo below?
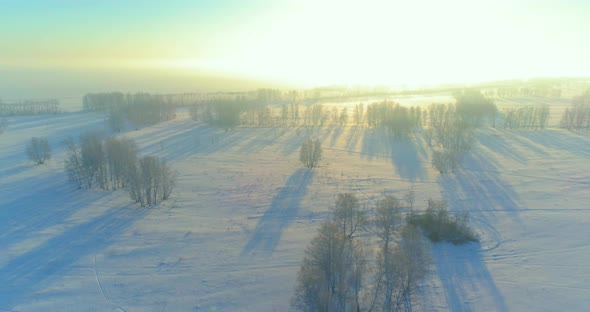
point(113, 163)
point(140, 109)
point(527, 117)
point(30, 107)
point(577, 116)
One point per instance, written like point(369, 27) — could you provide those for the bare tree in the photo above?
point(330, 278)
point(121, 157)
point(410, 198)
point(386, 222)
point(73, 162)
point(310, 153)
point(168, 179)
point(411, 261)
point(348, 215)
point(93, 159)
point(151, 181)
point(39, 150)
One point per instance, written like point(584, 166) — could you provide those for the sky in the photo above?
point(181, 45)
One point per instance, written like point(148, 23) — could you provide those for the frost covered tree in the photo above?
point(332, 275)
point(399, 269)
point(310, 153)
point(121, 156)
point(73, 163)
point(386, 222)
point(330, 278)
point(151, 181)
point(93, 159)
point(348, 215)
point(39, 150)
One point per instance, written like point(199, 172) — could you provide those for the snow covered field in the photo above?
point(233, 234)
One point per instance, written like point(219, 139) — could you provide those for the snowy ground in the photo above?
point(233, 234)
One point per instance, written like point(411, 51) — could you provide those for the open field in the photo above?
point(233, 234)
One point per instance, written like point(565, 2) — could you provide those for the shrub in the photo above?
point(440, 225)
point(39, 150)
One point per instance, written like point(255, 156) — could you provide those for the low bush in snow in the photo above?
point(440, 225)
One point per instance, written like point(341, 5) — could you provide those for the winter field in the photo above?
point(233, 233)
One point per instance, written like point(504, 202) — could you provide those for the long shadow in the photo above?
point(518, 138)
point(353, 137)
point(35, 205)
point(283, 210)
point(292, 140)
point(496, 142)
point(571, 142)
point(261, 138)
point(407, 155)
point(336, 133)
point(465, 277)
point(479, 190)
point(408, 162)
point(32, 271)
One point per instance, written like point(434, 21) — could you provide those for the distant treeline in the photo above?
point(140, 109)
point(549, 91)
point(29, 107)
point(471, 107)
point(577, 116)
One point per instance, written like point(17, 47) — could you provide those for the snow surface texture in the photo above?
point(233, 234)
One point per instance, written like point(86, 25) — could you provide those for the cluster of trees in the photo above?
point(29, 107)
point(527, 117)
point(224, 113)
point(449, 135)
point(113, 163)
point(452, 126)
point(141, 109)
point(471, 108)
point(577, 116)
point(339, 273)
point(310, 153)
point(399, 120)
point(474, 108)
point(38, 150)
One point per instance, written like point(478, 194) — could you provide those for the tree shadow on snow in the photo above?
point(29, 206)
point(577, 143)
point(466, 279)
point(31, 271)
point(480, 190)
point(283, 210)
point(496, 142)
point(407, 155)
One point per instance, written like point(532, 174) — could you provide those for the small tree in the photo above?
point(39, 150)
point(73, 162)
point(348, 215)
point(310, 153)
point(386, 222)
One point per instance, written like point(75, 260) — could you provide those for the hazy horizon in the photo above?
point(67, 48)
